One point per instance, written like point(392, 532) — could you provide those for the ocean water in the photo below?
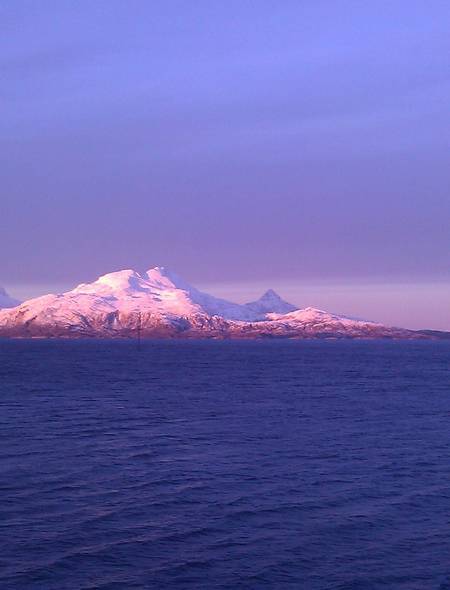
point(237, 465)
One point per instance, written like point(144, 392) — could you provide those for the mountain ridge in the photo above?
point(160, 304)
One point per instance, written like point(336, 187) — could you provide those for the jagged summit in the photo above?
point(270, 302)
point(6, 301)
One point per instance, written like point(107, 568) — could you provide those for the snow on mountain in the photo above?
point(6, 300)
point(118, 302)
point(130, 292)
point(316, 323)
point(314, 316)
point(315, 320)
point(163, 278)
point(160, 304)
point(161, 291)
point(270, 302)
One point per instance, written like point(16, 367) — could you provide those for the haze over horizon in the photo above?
point(301, 147)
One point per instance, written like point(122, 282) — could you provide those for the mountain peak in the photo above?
point(6, 300)
point(270, 302)
point(113, 283)
point(119, 277)
point(271, 295)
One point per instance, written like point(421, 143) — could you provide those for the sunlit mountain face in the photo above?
point(159, 303)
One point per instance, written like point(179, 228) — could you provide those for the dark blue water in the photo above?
point(306, 465)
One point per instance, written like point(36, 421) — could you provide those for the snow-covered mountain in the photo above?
point(162, 292)
point(158, 303)
point(117, 303)
point(6, 300)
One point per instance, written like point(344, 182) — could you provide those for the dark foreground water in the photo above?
point(308, 465)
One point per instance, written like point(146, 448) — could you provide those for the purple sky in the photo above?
point(246, 144)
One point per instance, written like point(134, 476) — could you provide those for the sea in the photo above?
point(310, 465)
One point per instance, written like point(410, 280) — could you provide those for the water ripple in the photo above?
point(228, 465)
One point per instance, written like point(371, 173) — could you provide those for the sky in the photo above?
point(300, 145)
